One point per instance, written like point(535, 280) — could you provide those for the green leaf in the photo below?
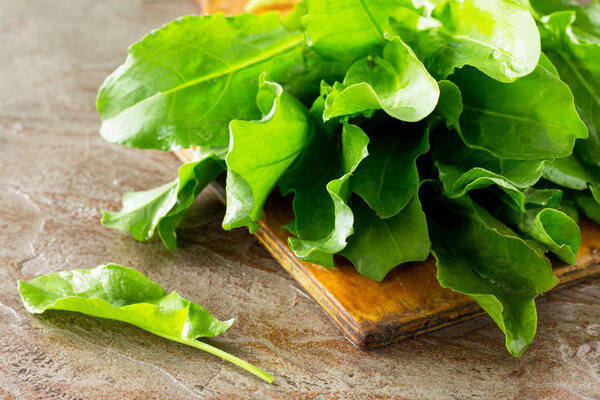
point(162, 208)
point(398, 83)
point(533, 118)
point(124, 294)
point(320, 183)
point(449, 106)
point(479, 256)
point(588, 206)
point(571, 173)
point(379, 245)
point(587, 22)
point(388, 179)
point(498, 37)
point(348, 30)
point(261, 151)
point(577, 65)
point(462, 169)
point(182, 84)
point(557, 231)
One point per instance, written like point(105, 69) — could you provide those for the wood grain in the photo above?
point(408, 302)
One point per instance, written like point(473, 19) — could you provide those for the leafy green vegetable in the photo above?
point(571, 173)
point(162, 208)
point(124, 294)
point(498, 37)
point(543, 124)
point(479, 256)
point(323, 219)
point(577, 65)
point(348, 30)
point(182, 84)
point(350, 106)
point(378, 245)
point(558, 231)
point(261, 151)
point(398, 83)
point(387, 179)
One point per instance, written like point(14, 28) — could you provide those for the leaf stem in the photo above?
point(219, 353)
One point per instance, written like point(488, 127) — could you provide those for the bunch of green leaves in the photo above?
point(400, 128)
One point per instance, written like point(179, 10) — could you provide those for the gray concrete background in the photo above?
point(56, 175)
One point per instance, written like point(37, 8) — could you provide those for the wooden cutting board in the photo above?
point(409, 301)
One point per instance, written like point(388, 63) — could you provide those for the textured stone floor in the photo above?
point(56, 173)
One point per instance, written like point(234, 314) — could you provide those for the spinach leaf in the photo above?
point(479, 256)
point(388, 179)
point(498, 37)
point(587, 22)
point(449, 106)
point(462, 169)
point(261, 151)
point(577, 65)
point(162, 208)
point(323, 219)
point(348, 30)
point(557, 231)
point(124, 294)
point(379, 245)
point(398, 83)
point(572, 173)
point(182, 84)
point(542, 124)
point(588, 206)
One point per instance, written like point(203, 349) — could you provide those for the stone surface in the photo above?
point(56, 175)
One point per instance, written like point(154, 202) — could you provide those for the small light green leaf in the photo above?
point(531, 119)
point(162, 208)
point(398, 83)
point(261, 151)
point(379, 245)
point(182, 84)
point(557, 231)
point(116, 292)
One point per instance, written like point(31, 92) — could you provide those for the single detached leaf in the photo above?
point(182, 84)
point(162, 208)
point(116, 292)
point(533, 118)
point(320, 183)
point(348, 30)
point(557, 231)
point(261, 151)
point(388, 179)
point(498, 37)
point(577, 64)
point(479, 256)
point(398, 83)
point(379, 245)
